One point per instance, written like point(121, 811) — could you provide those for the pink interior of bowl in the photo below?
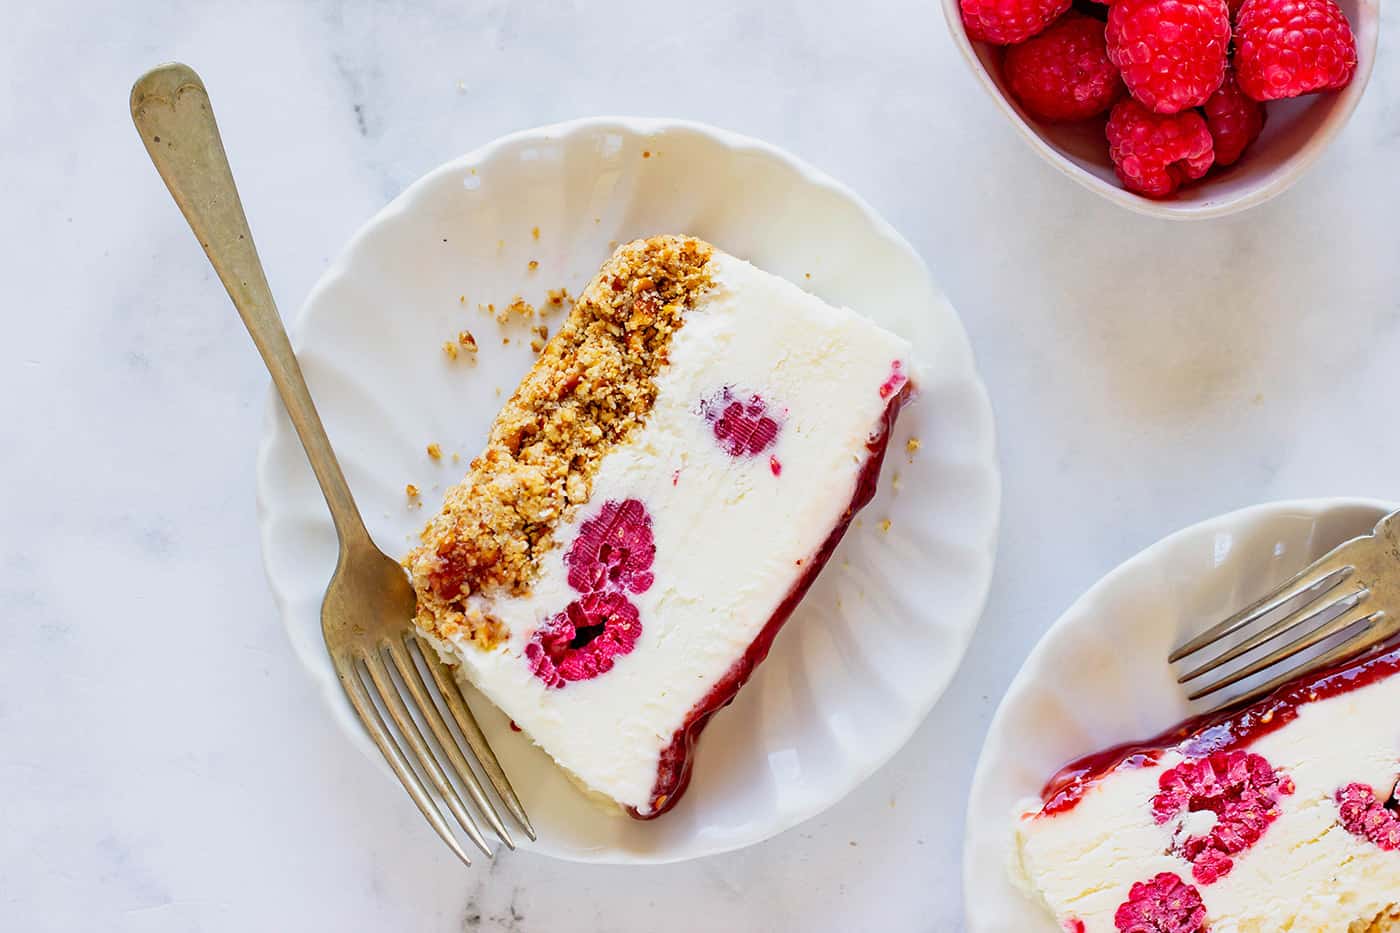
point(1296, 132)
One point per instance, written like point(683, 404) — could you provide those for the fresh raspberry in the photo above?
point(1006, 22)
point(581, 642)
point(1064, 73)
point(1166, 904)
point(614, 549)
point(1154, 153)
point(1235, 120)
point(1284, 48)
point(1243, 791)
point(1171, 53)
point(1364, 814)
point(742, 427)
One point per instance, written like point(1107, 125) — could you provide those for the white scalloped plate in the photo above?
point(878, 638)
point(1099, 676)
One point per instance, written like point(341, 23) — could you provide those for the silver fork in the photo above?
point(366, 616)
point(1351, 593)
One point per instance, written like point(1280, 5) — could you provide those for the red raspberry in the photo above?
point(1166, 904)
point(1364, 814)
point(581, 642)
point(743, 427)
point(1243, 791)
point(1153, 152)
point(614, 549)
point(1172, 53)
point(1064, 73)
point(1284, 48)
point(1006, 22)
point(1235, 120)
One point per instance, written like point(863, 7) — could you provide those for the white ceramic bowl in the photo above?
point(879, 636)
point(1296, 133)
point(1099, 676)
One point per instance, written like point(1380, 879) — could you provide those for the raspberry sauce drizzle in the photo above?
point(1205, 735)
point(673, 771)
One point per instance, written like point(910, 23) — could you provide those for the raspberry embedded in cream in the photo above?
point(1280, 816)
point(651, 505)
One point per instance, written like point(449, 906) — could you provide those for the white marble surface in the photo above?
point(165, 766)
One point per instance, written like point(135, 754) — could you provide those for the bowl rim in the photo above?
point(1295, 166)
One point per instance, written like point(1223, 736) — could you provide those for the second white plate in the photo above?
point(879, 636)
point(1100, 677)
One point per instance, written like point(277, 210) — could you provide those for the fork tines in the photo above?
point(1348, 597)
point(369, 683)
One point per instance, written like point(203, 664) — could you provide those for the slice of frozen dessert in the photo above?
point(652, 503)
point(1279, 816)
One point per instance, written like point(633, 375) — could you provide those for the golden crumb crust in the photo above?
point(1387, 922)
point(592, 386)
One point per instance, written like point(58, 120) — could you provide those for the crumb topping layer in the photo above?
point(593, 385)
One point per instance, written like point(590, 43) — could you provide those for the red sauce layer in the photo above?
point(673, 772)
point(1223, 731)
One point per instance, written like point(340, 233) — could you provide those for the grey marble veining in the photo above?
point(165, 766)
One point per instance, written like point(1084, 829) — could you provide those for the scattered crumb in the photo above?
point(612, 245)
point(646, 153)
point(498, 391)
point(461, 299)
point(456, 458)
point(500, 244)
point(450, 349)
point(518, 307)
point(435, 451)
point(597, 220)
point(894, 481)
point(807, 275)
point(557, 298)
point(533, 265)
point(1258, 398)
point(542, 331)
point(884, 524)
point(466, 339)
point(859, 522)
point(411, 490)
point(505, 341)
point(534, 233)
point(913, 445)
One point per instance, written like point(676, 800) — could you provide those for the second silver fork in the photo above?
point(1350, 595)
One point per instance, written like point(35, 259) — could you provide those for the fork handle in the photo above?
point(171, 110)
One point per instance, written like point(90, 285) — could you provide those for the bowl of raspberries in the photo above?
point(1175, 108)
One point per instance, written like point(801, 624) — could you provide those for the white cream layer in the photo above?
point(729, 533)
point(1307, 874)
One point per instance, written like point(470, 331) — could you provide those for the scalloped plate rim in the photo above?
point(959, 352)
